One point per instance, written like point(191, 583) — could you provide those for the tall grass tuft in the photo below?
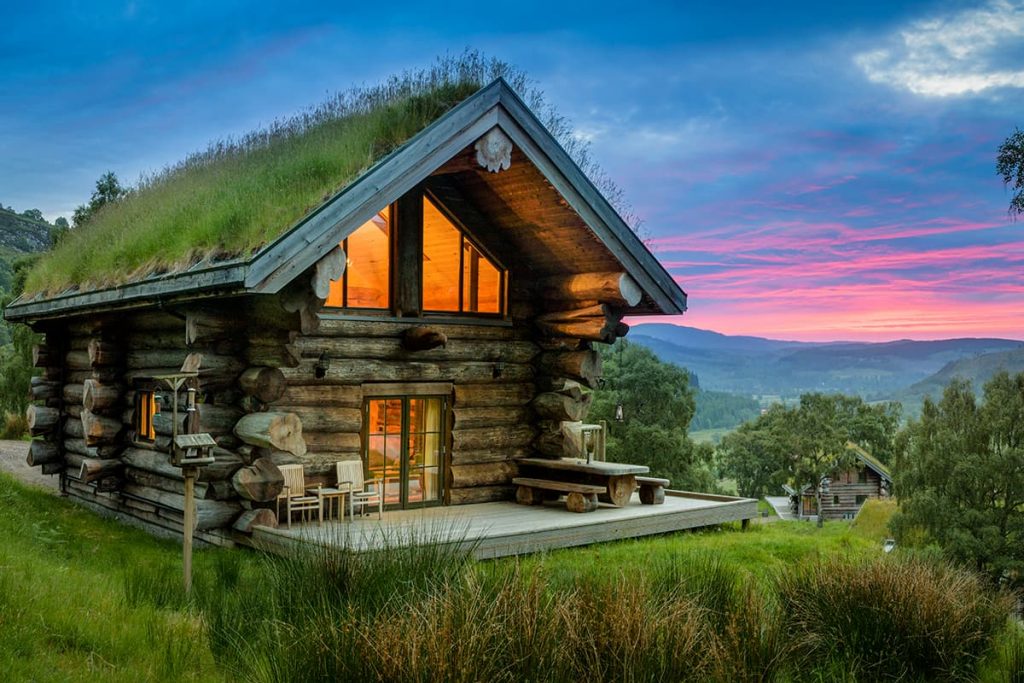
point(892, 618)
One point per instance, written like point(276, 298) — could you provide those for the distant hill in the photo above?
point(758, 366)
point(23, 234)
point(977, 369)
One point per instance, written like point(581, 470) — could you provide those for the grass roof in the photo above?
point(239, 194)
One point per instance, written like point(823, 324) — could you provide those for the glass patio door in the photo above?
point(405, 447)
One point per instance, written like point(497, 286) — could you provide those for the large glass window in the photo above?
point(457, 276)
point(366, 282)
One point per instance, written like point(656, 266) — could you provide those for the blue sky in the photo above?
point(805, 170)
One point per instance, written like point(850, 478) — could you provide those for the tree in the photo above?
point(59, 230)
point(805, 444)
point(108, 190)
point(756, 455)
point(1010, 165)
point(16, 359)
point(657, 406)
point(960, 476)
point(34, 214)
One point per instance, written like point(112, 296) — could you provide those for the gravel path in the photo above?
point(12, 460)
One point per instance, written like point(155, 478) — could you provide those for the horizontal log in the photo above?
point(276, 355)
point(42, 452)
point(590, 329)
point(554, 406)
point(484, 474)
point(250, 519)
point(43, 355)
point(261, 481)
point(102, 353)
point(583, 313)
point(394, 328)
point(496, 438)
point(210, 514)
point(493, 394)
point(55, 467)
point(73, 393)
point(212, 490)
point(152, 340)
point(87, 469)
point(266, 384)
point(98, 397)
point(100, 429)
point(79, 447)
point(280, 431)
point(480, 494)
point(73, 428)
point(41, 419)
point(203, 326)
point(41, 389)
point(213, 419)
point(329, 419)
point(560, 385)
point(617, 289)
point(490, 416)
point(332, 442)
point(583, 366)
point(102, 374)
point(77, 360)
point(390, 348)
point(224, 465)
point(330, 395)
point(353, 371)
point(466, 457)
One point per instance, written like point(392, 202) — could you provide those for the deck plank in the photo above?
point(504, 528)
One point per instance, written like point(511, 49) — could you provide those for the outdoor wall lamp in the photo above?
point(323, 364)
point(619, 417)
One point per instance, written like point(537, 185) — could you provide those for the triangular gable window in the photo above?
point(457, 276)
point(366, 282)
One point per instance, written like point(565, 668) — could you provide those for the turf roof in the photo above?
point(238, 195)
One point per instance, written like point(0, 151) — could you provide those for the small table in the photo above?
point(331, 494)
point(618, 478)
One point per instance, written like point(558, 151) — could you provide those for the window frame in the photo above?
point(465, 234)
point(356, 310)
point(145, 430)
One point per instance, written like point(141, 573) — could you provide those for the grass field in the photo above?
point(83, 598)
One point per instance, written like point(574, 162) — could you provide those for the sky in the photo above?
point(805, 170)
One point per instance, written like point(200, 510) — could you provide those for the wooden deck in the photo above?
point(500, 529)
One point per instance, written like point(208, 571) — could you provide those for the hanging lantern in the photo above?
point(618, 413)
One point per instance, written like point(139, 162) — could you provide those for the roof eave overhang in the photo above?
point(195, 284)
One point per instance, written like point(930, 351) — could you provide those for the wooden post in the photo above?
point(406, 275)
point(190, 474)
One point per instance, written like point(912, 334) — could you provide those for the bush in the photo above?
point(891, 617)
point(15, 426)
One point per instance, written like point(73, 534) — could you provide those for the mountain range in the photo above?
point(903, 370)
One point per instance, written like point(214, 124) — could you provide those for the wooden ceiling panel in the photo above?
point(520, 217)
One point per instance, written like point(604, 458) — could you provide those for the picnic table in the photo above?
point(618, 479)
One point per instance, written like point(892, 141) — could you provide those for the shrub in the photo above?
point(892, 618)
point(15, 426)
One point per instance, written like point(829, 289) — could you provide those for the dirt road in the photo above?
point(12, 460)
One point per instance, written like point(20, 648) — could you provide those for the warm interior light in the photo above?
point(452, 262)
point(367, 277)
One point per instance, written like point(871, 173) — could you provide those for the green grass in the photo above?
point(82, 598)
point(872, 522)
point(63, 613)
point(711, 436)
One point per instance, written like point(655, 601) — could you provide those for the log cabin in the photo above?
point(435, 317)
point(848, 488)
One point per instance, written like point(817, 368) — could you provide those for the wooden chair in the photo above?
point(295, 495)
point(350, 480)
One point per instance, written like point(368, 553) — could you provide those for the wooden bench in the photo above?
point(652, 490)
point(579, 497)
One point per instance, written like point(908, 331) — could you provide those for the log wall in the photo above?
point(841, 501)
point(280, 382)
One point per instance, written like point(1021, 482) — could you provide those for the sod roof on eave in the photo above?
point(869, 460)
point(225, 204)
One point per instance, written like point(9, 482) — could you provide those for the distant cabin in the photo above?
point(849, 488)
point(435, 319)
